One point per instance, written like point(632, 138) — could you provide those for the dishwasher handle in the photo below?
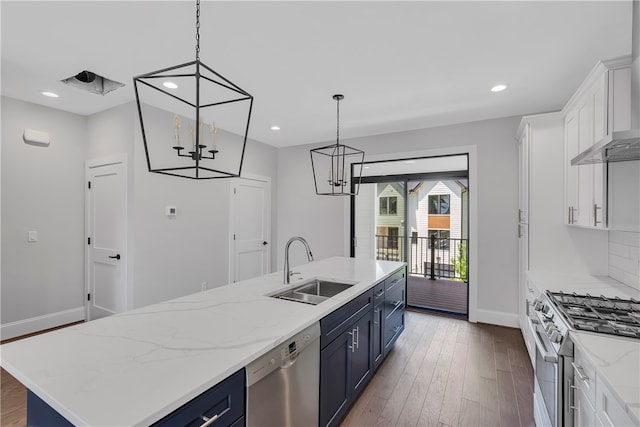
point(289, 362)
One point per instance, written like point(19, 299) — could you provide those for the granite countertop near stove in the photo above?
point(617, 359)
point(135, 367)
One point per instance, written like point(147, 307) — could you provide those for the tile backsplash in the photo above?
point(624, 257)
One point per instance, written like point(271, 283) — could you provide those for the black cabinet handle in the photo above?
point(115, 257)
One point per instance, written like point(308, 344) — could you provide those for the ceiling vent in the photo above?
point(91, 82)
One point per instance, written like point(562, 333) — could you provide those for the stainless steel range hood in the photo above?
point(622, 146)
point(617, 147)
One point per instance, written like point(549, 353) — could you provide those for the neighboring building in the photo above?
point(435, 208)
point(389, 215)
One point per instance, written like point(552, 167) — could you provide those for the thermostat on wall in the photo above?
point(170, 211)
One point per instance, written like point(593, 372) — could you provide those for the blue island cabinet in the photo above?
point(223, 405)
point(355, 340)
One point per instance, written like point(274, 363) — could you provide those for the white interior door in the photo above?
point(251, 225)
point(106, 237)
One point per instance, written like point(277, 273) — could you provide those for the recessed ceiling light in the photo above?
point(408, 161)
point(498, 88)
point(50, 94)
point(170, 85)
point(275, 127)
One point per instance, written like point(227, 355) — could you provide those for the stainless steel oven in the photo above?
point(552, 368)
point(555, 314)
point(552, 382)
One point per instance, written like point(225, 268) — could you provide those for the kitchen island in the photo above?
point(136, 367)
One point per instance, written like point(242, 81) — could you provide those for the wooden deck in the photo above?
point(440, 294)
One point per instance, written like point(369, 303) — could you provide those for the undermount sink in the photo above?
point(313, 292)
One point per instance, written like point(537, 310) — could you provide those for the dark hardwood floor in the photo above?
point(448, 372)
point(442, 372)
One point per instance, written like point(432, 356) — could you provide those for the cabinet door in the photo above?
point(361, 355)
point(585, 172)
point(377, 336)
point(584, 414)
point(572, 148)
point(598, 216)
point(334, 385)
point(523, 176)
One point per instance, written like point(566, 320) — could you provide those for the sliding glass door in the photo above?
point(421, 219)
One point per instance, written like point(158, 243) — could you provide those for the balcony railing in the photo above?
point(429, 256)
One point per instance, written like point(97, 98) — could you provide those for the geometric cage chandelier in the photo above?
point(334, 165)
point(194, 121)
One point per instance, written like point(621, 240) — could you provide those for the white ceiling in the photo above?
point(401, 65)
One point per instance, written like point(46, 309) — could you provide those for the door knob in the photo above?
point(265, 243)
point(115, 257)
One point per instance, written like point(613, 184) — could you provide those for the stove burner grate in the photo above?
point(613, 316)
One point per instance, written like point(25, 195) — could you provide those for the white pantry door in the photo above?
point(250, 226)
point(106, 238)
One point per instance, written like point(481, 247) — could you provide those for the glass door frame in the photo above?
point(405, 179)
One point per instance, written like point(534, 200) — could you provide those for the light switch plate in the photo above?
point(32, 236)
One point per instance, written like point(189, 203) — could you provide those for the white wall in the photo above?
point(322, 219)
point(319, 219)
point(42, 190)
point(624, 257)
point(172, 257)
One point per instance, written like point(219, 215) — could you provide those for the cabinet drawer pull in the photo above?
point(571, 401)
point(595, 214)
point(572, 215)
point(379, 293)
point(580, 372)
point(396, 329)
point(208, 421)
point(375, 316)
point(353, 340)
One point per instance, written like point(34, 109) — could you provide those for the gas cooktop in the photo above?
point(614, 316)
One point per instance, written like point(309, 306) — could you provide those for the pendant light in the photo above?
point(194, 121)
point(334, 165)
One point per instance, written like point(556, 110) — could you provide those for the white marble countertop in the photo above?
point(133, 368)
point(581, 284)
point(616, 359)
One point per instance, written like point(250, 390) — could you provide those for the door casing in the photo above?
point(90, 166)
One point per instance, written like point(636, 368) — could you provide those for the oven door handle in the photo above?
point(548, 356)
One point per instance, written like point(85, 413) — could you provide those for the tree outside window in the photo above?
point(439, 204)
point(388, 205)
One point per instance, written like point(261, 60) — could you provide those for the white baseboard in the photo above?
point(498, 318)
point(39, 323)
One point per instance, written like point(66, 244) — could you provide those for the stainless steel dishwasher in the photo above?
point(283, 385)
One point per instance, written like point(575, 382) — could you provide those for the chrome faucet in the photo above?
point(287, 272)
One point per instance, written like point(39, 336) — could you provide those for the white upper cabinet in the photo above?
point(600, 106)
point(523, 176)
